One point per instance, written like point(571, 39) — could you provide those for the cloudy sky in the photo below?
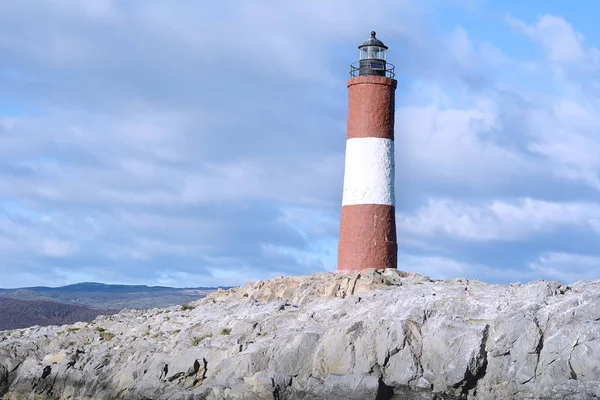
point(191, 143)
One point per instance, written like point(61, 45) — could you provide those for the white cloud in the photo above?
point(498, 220)
point(506, 131)
point(493, 56)
point(58, 248)
point(441, 267)
point(194, 143)
point(563, 45)
point(565, 134)
point(567, 268)
point(474, 56)
point(450, 143)
point(562, 267)
point(460, 46)
point(434, 267)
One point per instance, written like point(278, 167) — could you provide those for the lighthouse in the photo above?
point(368, 220)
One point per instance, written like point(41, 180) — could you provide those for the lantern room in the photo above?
point(372, 59)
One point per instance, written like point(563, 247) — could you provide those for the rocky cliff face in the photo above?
point(376, 335)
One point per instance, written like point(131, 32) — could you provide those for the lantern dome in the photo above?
point(373, 41)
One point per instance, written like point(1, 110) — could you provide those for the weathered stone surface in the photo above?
point(374, 335)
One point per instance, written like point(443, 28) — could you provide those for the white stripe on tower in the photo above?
point(369, 171)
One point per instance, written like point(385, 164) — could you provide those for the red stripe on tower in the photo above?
point(368, 220)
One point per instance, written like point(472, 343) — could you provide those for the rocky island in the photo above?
point(379, 334)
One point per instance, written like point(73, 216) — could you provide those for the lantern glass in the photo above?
point(373, 53)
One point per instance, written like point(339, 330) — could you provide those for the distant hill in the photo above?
point(16, 314)
point(110, 297)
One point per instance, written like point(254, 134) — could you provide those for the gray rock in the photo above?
point(374, 335)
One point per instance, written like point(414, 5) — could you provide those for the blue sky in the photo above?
point(193, 145)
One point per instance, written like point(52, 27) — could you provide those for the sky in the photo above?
point(188, 143)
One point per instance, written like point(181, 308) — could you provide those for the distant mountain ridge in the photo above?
point(101, 296)
point(17, 314)
point(96, 286)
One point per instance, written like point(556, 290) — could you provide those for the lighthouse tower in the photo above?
point(368, 221)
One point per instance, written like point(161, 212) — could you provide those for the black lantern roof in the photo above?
point(373, 41)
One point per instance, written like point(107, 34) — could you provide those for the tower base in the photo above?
point(367, 237)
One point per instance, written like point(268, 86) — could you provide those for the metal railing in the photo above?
point(388, 72)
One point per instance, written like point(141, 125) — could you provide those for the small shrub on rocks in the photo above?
point(107, 335)
point(196, 340)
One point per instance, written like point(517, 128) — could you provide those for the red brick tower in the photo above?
point(368, 220)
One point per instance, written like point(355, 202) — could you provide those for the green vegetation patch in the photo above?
point(107, 335)
point(196, 340)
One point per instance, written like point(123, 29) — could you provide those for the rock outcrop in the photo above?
point(375, 335)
